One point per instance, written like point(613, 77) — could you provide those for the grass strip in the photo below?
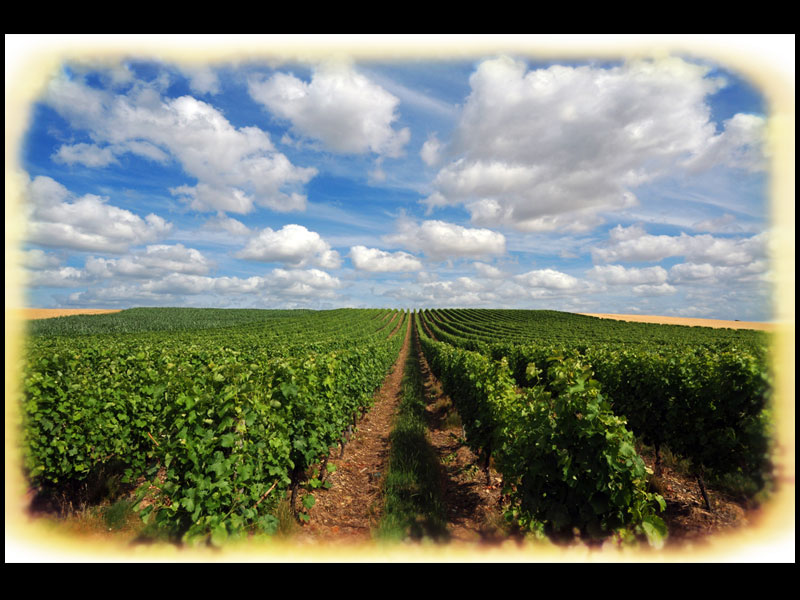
point(413, 506)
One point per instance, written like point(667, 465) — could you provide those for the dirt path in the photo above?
point(346, 513)
point(474, 512)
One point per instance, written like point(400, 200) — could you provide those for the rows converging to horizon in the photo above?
point(210, 420)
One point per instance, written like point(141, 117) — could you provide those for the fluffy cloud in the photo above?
point(379, 261)
point(549, 279)
point(339, 106)
point(61, 277)
point(153, 261)
point(692, 272)
point(293, 245)
point(741, 144)
point(442, 241)
point(516, 291)
point(633, 244)
point(619, 275)
point(662, 289)
point(554, 148)
point(286, 287)
point(202, 79)
point(143, 149)
point(298, 282)
point(204, 198)
point(431, 151)
point(39, 259)
point(238, 285)
point(157, 262)
point(461, 291)
point(708, 274)
point(89, 155)
point(236, 168)
point(122, 295)
point(488, 271)
point(87, 223)
point(279, 283)
point(228, 224)
point(179, 283)
point(93, 155)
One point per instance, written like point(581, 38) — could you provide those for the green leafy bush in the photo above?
point(570, 462)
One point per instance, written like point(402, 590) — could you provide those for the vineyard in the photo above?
point(216, 417)
point(557, 399)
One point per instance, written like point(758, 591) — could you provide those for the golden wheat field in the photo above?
point(717, 323)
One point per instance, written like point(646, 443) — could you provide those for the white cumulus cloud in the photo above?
point(662, 289)
point(154, 261)
point(236, 168)
point(634, 244)
point(87, 223)
point(461, 291)
point(547, 278)
point(442, 241)
point(741, 144)
point(339, 106)
point(619, 275)
point(89, 155)
point(298, 287)
point(39, 259)
point(431, 151)
point(293, 245)
point(303, 282)
point(488, 271)
point(202, 79)
point(228, 224)
point(60, 277)
point(708, 274)
point(555, 148)
point(380, 261)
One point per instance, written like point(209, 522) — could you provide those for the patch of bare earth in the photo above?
point(686, 516)
point(351, 508)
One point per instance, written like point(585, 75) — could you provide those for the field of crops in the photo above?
point(230, 407)
point(225, 411)
point(556, 400)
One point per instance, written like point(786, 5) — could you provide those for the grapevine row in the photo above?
point(227, 429)
point(567, 460)
point(707, 403)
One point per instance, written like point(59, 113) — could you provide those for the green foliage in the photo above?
point(221, 409)
point(567, 461)
point(703, 392)
point(140, 320)
point(218, 428)
point(116, 516)
point(571, 462)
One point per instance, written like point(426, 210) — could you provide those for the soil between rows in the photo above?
point(347, 512)
point(352, 507)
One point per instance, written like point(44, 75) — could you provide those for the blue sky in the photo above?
point(502, 180)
